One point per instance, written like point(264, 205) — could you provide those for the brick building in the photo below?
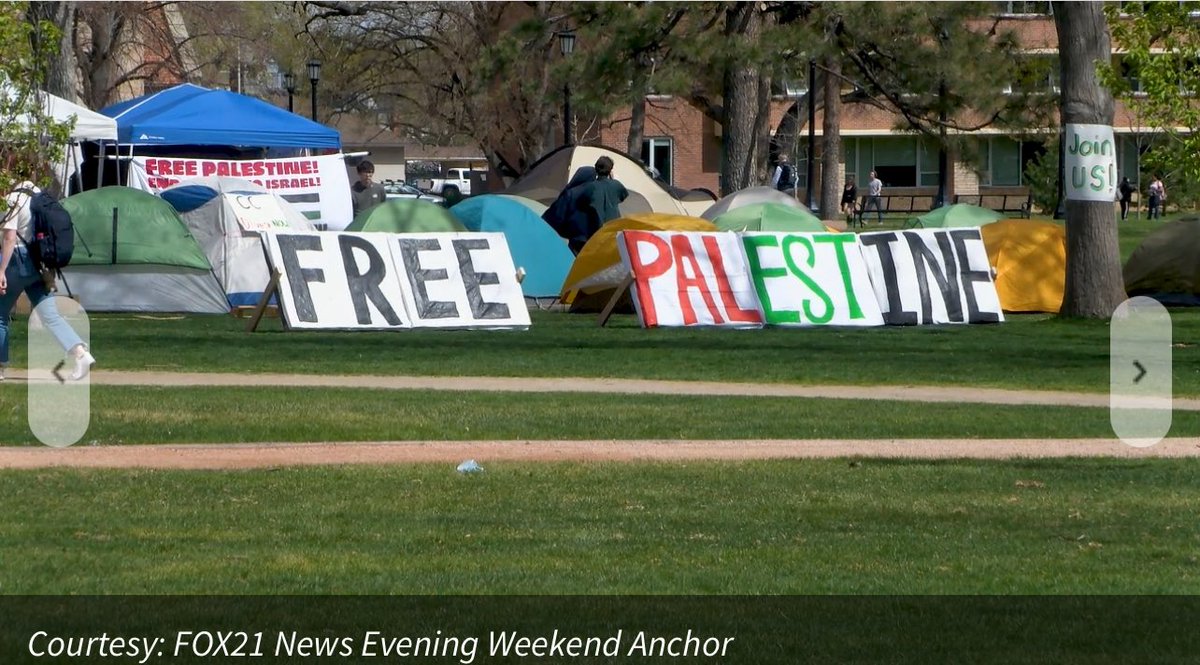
point(685, 145)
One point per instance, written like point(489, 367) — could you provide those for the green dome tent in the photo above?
point(768, 217)
point(406, 216)
point(959, 215)
point(134, 253)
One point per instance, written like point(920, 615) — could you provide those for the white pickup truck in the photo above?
point(454, 178)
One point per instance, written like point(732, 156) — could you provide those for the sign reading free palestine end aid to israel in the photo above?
point(1090, 167)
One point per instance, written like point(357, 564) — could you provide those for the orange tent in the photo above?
point(1030, 263)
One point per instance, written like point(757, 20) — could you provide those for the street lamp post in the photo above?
point(812, 135)
point(566, 43)
point(289, 84)
point(314, 75)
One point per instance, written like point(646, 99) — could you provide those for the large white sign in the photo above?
point(1090, 166)
point(811, 279)
point(689, 279)
point(389, 281)
point(931, 276)
point(317, 186)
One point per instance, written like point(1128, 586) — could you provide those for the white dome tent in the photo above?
point(226, 215)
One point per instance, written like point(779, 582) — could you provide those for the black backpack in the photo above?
point(785, 176)
point(53, 240)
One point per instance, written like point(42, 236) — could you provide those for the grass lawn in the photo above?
point(133, 415)
point(781, 527)
point(1033, 352)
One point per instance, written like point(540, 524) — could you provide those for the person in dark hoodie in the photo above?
point(565, 215)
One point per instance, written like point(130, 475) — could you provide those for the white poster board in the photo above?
point(257, 212)
point(388, 281)
point(931, 276)
point(1090, 163)
point(459, 280)
point(811, 279)
point(689, 279)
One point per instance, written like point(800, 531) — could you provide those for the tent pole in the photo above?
point(113, 258)
point(103, 145)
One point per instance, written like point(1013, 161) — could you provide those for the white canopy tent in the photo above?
point(88, 126)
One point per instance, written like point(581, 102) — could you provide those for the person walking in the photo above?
point(19, 274)
point(1158, 198)
point(565, 216)
point(875, 196)
point(1125, 191)
point(849, 195)
point(783, 178)
point(601, 199)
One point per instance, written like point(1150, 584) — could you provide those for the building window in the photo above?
point(1000, 161)
point(656, 154)
point(929, 163)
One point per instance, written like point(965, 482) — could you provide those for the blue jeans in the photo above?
point(23, 276)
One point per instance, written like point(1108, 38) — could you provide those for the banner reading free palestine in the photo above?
point(317, 186)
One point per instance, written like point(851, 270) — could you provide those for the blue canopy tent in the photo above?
point(191, 115)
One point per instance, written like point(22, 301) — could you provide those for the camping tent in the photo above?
point(533, 244)
point(188, 114)
point(134, 253)
point(1030, 260)
point(536, 206)
point(955, 216)
point(747, 197)
point(597, 270)
point(87, 125)
point(1167, 263)
point(226, 216)
point(549, 175)
point(769, 217)
point(406, 216)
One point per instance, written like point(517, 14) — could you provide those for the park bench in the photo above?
point(907, 204)
point(1018, 203)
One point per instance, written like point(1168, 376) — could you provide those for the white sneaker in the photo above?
point(3, 369)
point(83, 365)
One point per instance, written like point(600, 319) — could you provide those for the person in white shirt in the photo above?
point(19, 274)
point(874, 196)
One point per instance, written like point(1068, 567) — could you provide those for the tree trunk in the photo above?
point(831, 139)
point(762, 131)
point(743, 24)
point(62, 69)
point(1095, 286)
point(637, 127)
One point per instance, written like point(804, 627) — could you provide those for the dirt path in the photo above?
point(268, 455)
point(955, 394)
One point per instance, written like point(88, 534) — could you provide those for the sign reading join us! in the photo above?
point(1090, 167)
point(383, 281)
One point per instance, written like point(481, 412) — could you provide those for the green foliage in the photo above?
point(1161, 45)
point(1041, 176)
point(30, 141)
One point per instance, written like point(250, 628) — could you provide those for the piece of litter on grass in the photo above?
point(470, 466)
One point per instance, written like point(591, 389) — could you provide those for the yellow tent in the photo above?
point(597, 270)
point(1030, 260)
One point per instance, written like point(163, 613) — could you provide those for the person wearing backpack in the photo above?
point(21, 271)
point(784, 178)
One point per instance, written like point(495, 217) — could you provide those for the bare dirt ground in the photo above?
point(270, 455)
